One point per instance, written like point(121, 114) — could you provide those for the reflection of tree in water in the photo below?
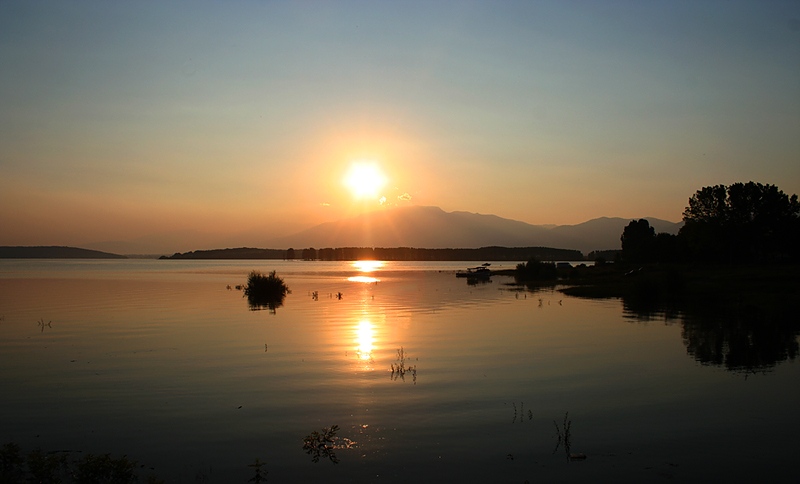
point(265, 291)
point(272, 303)
point(740, 343)
point(647, 312)
point(741, 339)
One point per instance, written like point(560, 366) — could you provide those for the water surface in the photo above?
point(159, 360)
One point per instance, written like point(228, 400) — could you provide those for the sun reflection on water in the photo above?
point(366, 266)
point(364, 279)
point(365, 338)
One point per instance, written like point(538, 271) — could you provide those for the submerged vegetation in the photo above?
point(325, 443)
point(265, 291)
point(41, 466)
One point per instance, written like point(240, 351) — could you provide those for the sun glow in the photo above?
point(367, 265)
point(365, 339)
point(365, 180)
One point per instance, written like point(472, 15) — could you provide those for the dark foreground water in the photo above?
point(428, 378)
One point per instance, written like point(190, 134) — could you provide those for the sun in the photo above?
point(365, 180)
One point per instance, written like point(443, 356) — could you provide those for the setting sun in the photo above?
point(365, 180)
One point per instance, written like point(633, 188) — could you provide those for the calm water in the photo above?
point(160, 361)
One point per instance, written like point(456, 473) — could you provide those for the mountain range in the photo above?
point(412, 226)
point(432, 227)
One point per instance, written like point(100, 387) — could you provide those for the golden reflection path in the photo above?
point(365, 330)
point(365, 339)
point(364, 279)
point(366, 266)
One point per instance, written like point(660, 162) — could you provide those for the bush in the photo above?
point(534, 270)
point(265, 291)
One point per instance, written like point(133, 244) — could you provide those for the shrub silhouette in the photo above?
point(265, 291)
point(534, 270)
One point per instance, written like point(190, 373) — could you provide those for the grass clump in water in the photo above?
point(265, 291)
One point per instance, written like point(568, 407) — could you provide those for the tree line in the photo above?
point(740, 223)
point(420, 254)
point(388, 254)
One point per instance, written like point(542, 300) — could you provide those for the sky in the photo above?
point(238, 121)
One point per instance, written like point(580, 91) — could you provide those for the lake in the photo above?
point(427, 378)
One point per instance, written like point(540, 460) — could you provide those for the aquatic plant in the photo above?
point(521, 412)
point(258, 477)
point(323, 444)
point(566, 439)
point(400, 369)
point(103, 468)
point(43, 466)
point(265, 291)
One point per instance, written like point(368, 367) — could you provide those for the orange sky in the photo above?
point(231, 125)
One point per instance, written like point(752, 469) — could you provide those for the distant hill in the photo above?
point(432, 227)
point(54, 252)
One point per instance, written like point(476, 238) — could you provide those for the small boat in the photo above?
point(480, 272)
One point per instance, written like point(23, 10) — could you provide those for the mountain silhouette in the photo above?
point(432, 227)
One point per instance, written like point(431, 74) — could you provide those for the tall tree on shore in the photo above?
point(744, 221)
point(638, 240)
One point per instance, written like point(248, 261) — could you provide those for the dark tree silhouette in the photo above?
point(666, 247)
point(747, 221)
point(638, 241)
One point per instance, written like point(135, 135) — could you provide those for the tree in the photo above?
point(666, 247)
point(745, 221)
point(638, 241)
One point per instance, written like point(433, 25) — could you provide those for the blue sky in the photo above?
point(128, 119)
